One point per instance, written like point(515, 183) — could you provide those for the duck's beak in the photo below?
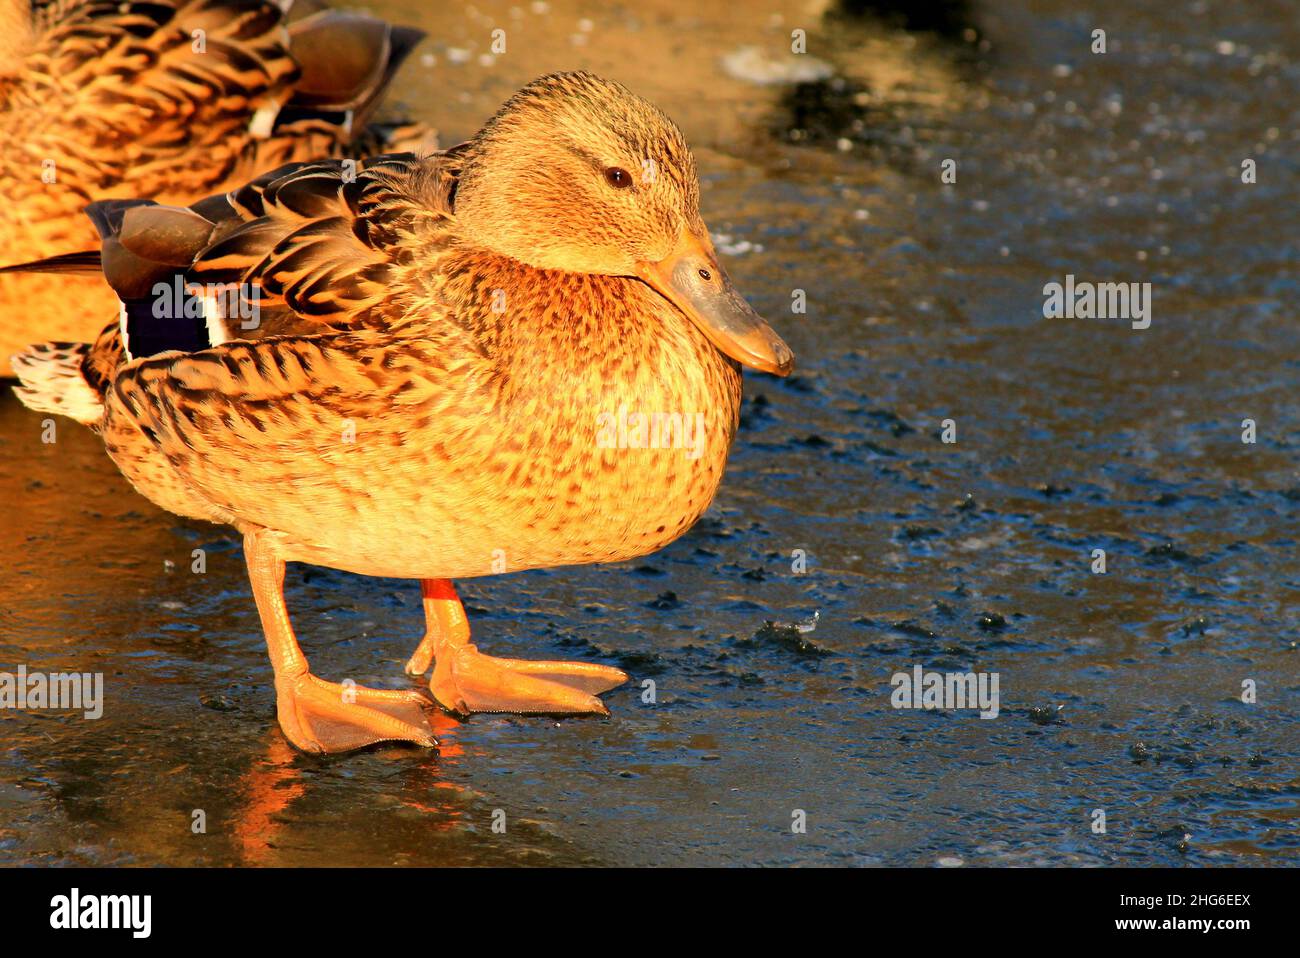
point(692, 280)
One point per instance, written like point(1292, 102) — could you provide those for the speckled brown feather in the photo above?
point(110, 99)
point(419, 430)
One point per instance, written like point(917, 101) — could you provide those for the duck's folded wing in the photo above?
point(147, 83)
point(305, 249)
point(175, 98)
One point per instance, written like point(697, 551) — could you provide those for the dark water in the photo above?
point(1119, 692)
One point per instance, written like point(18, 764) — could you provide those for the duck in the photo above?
point(411, 372)
point(171, 100)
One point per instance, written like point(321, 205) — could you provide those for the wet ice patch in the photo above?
point(754, 65)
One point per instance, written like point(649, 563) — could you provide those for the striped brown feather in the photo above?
point(102, 99)
point(314, 244)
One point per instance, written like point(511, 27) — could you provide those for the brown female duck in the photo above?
point(440, 344)
point(170, 100)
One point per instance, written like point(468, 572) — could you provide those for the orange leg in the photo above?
point(465, 680)
point(320, 716)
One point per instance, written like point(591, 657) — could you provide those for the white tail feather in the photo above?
point(52, 381)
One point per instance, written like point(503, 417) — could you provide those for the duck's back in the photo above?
point(386, 411)
point(170, 100)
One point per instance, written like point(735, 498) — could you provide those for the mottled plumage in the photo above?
point(169, 100)
point(428, 392)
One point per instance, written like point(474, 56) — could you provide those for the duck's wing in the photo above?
point(281, 429)
point(305, 249)
point(173, 99)
point(346, 62)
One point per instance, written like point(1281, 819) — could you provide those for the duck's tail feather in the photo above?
point(347, 61)
point(53, 381)
point(83, 262)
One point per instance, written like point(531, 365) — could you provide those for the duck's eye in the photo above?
point(705, 275)
point(618, 177)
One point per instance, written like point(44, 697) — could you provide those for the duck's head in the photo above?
point(576, 173)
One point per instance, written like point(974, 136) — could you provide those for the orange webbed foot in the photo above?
point(465, 680)
point(320, 716)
